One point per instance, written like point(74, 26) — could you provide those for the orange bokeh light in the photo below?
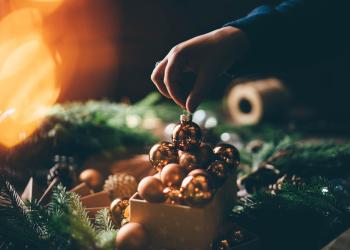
point(46, 7)
point(27, 76)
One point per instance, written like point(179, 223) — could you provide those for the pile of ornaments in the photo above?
point(188, 170)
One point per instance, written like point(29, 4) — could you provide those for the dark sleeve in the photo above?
point(297, 30)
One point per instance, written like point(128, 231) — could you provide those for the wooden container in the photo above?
point(183, 227)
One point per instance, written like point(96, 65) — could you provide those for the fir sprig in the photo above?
point(64, 224)
point(18, 229)
point(103, 221)
point(105, 228)
point(69, 223)
point(307, 159)
point(303, 216)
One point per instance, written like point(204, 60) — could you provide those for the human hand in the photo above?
point(206, 56)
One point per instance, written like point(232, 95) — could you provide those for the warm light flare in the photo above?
point(27, 78)
point(46, 7)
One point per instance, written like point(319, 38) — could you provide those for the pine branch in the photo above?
point(105, 228)
point(64, 224)
point(302, 216)
point(103, 221)
point(39, 216)
point(69, 225)
point(59, 201)
point(322, 158)
point(17, 229)
point(106, 240)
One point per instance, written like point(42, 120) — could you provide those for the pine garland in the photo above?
point(17, 230)
point(84, 129)
point(307, 159)
point(64, 224)
point(297, 216)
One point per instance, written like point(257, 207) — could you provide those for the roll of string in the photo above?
point(250, 102)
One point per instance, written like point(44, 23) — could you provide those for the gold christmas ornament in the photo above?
point(218, 170)
point(91, 177)
point(172, 175)
point(227, 153)
point(127, 212)
point(151, 189)
point(223, 245)
point(197, 190)
point(180, 152)
point(174, 196)
point(132, 236)
point(162, 154)
point(186, 135)
point(117, 210)
point(189, 161)
point(124, 222)
point(120, 185)
point(157, 175)
point(199, 172)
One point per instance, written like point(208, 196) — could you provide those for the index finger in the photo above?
point(157, 77)
point(172, 75)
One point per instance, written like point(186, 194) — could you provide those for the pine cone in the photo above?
point(120, 185)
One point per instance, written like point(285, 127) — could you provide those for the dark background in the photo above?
point(108, 49)
point(115, 43)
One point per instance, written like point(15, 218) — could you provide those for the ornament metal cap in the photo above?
point(186, 117)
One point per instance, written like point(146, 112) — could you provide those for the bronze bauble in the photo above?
point(174, 195)
point(199, 172)
point(219, 171)
point(162, 154)
point(187, 135)
point(157, 175)
point(132, 236)
point(117, 209)
point(151, 189)
point(91, 177)
point(172, 175)
point(189, 161)
point(228, 153)
point(197, 190)
point(180, 152)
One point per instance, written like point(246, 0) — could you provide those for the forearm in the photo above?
point(308, 28)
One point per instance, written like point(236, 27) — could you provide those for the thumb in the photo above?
point(200, 89)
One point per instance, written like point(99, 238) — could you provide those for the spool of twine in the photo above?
point(250, 102)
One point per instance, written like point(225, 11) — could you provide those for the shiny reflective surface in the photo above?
point(219, 171)
point(174, 196)
point(187, 135)
point(151, 189)
point(162, 154)
point(189, 162)
point(117, 209)
point(197, 190)
point(172, 175)
point(228, 153)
